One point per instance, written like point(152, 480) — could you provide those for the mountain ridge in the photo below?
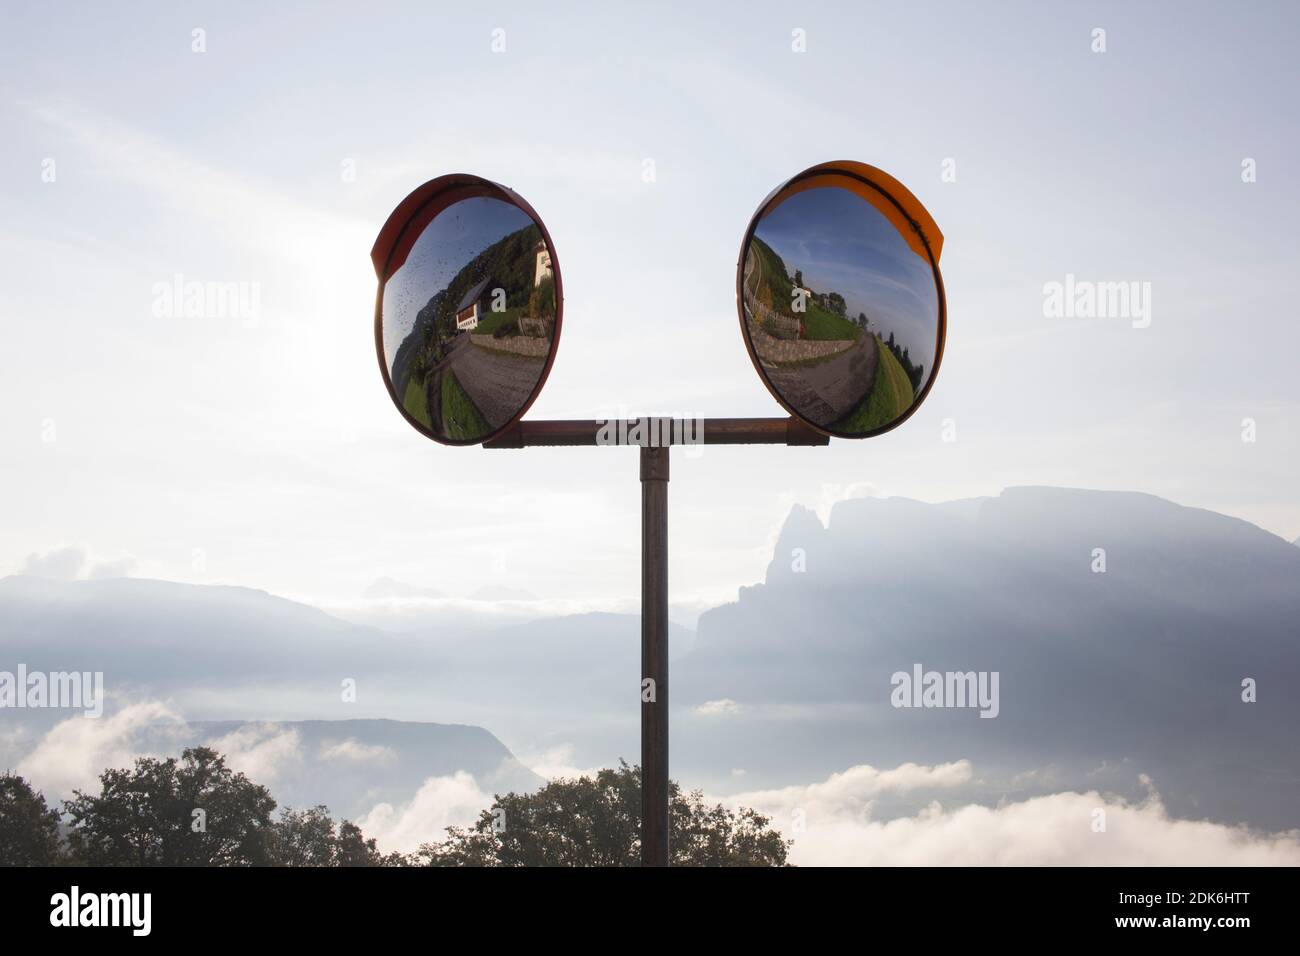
point(1122, 625)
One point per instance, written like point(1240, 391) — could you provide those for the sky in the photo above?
point(257, 445)
point(841, 243)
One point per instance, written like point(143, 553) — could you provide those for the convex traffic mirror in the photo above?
point(468, 314)
point(840, 298)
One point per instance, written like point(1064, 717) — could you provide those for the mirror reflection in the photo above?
point(841, 309)
point(468, 319)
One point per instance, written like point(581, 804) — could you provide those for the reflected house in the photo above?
point(543, 268)
point(800, 296)
point(536, 325)
point(474, 303)
point(790, 326)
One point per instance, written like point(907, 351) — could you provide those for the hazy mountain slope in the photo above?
point(217, 652)
point(1143, 662)
point(146, 631)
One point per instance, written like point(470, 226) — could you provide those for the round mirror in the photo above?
point(469, 307)
point(840, 299)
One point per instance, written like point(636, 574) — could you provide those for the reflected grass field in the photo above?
point(461, 419)
point(890, 396)
point(823, 325)
point(416, 403)
point(494, 320)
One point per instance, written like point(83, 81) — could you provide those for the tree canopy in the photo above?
point(29, 830)
point(596, 821)
point(197, 811)
point(311, 838)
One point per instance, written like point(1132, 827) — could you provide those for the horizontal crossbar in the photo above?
point(657, 432)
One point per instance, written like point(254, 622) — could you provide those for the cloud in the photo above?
point(726, 707)
point(386, 587)
point(63, 564)
point(74, 753)
point(440, 802)
point(831, 824)
point(112, 568)
point(262, 752)
point(355, 751)
point(852, 791)
point(246, 209)
point(13, 744)
point(554, 763)
point(75, 562)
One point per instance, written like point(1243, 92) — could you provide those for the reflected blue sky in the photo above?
point(843, 244)
point(458, 234)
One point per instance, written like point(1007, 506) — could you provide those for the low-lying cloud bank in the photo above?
point(831, 821)
point(831, 825)
point(73, 754)
point(76, 562)
point(440, 802)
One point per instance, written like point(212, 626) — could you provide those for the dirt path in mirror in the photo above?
point(497, 383)
point(827, 391)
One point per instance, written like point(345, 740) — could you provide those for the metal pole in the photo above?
point(654, 446)
point(654, 656)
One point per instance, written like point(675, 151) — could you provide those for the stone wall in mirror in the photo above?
point(840, 305)
point(468, 319)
